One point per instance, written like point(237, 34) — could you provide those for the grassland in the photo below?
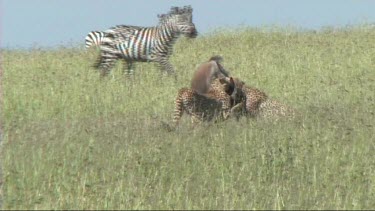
point(73, 141)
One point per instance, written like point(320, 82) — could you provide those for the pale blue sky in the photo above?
point(50, 23)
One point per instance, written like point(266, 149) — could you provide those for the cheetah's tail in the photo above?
point(179, 107)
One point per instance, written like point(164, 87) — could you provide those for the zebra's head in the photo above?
point(181, 19)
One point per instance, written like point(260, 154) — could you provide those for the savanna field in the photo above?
point(75, 141)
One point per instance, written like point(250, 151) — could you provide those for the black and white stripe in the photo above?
point(94, 38)
point(141, 44)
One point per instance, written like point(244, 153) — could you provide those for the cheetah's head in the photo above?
point(233, 88)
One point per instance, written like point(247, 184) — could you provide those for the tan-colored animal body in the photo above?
point(206, 74)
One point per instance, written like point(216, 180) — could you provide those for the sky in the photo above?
point(52, 23)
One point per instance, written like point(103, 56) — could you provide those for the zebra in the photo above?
point(145, 44)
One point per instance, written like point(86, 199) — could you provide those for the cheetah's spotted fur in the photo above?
point(258, 104)
point(214, 105)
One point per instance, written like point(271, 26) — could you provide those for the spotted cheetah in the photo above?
point(257, 104)
point(216, 104)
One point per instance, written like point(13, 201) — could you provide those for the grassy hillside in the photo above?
point(73, 141)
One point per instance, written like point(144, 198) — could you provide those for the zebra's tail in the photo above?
point(96, 38)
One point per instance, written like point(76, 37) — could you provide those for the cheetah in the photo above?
point(257, 104)
point(215, 105)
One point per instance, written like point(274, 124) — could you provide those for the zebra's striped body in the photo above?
point(140, 43)
point(97, 38)
point(144, 44)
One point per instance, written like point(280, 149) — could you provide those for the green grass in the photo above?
point(73, 141)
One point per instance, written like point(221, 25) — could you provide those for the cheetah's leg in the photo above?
point(195, 119)
point(226, 114)
point(226, 110)
point(237, 110)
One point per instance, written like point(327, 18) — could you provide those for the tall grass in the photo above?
point(74, 141)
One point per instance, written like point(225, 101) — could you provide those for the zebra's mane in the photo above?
point(186, 10)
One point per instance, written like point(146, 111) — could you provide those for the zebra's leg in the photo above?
point(167, 66)
point(105, 63)
point(128, 66)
